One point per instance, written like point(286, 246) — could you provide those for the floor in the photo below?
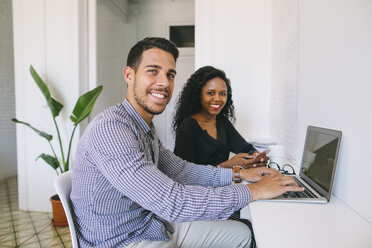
point(25, 228)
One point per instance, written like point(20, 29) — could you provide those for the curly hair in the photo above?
point(189, 101)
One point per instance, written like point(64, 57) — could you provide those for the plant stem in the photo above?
point(55, 155)
point(69, 149)
point(60, 142)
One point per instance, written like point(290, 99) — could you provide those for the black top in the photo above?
point(195, 144)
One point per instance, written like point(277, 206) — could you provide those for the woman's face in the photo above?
point(213, 96)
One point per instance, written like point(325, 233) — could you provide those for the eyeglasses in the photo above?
point(283, 169)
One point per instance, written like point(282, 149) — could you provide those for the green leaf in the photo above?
point(57, 107)
point(52, 161)
point(54, 106)
point(85, 104)
point(42, 134)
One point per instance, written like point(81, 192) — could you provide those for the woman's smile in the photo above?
point(216, 106)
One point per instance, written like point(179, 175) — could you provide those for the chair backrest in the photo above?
point(62, 183)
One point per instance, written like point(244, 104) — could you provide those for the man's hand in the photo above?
point(256, 174)
point(272, 186)
point(246, 161)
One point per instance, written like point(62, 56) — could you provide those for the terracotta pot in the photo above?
point(59, 216)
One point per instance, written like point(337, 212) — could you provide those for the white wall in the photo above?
point(328, 76)
point(150, 18)
point(334, 88)
point(8, 161)
point(235, 37)
point(284, 75)
point(58, 39)
point(46, 35)
point(111, 53)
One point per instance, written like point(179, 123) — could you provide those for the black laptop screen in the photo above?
point(319, 157)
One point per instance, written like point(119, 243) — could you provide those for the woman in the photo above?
point(204, 133)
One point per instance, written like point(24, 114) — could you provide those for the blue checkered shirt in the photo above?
point(126, 187)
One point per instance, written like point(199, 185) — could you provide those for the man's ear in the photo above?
point(129, 74)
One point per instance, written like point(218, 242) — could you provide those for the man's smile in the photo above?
point(158, 95)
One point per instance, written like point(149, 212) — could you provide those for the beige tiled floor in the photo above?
point(24, 228)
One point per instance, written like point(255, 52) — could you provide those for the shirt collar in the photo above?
point(136, 117)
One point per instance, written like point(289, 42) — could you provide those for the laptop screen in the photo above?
point(320, 156)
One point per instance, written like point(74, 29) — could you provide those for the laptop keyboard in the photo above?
point(299, 194)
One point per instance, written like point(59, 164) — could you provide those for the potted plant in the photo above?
point(82, 109)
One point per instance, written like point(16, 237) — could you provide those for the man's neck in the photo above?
point(143, 113)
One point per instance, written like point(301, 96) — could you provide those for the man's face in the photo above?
point(151, 86)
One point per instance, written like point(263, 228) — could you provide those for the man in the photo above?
point(129, 191)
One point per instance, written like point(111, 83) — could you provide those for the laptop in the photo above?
point(318, 166)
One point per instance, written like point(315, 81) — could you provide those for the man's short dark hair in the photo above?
point(135, 54)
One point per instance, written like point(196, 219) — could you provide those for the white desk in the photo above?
point(293, 225)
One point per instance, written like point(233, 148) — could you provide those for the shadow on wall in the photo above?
point(8, 155)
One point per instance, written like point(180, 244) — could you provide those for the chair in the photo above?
point(62, 184)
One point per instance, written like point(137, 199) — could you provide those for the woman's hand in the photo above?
point(246, 161)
